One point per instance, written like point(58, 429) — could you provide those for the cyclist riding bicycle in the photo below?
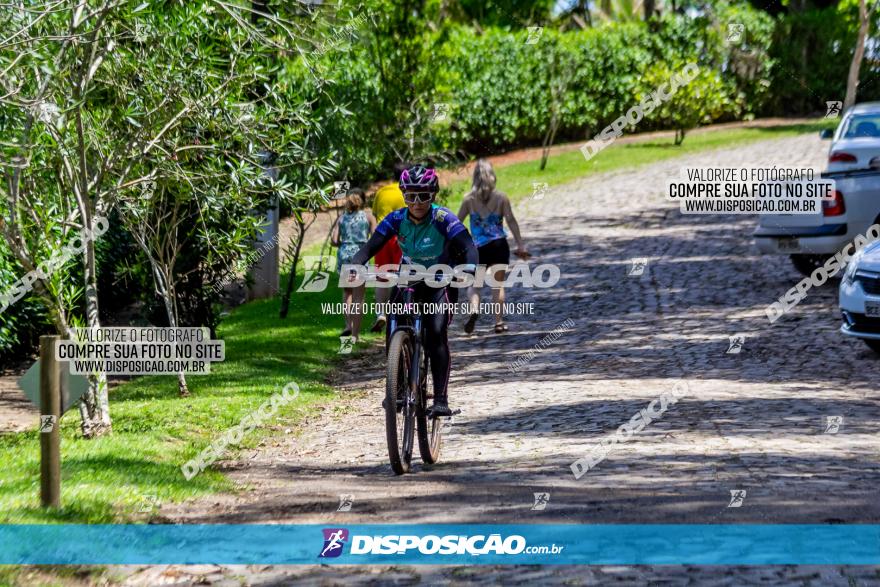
point(428, 234)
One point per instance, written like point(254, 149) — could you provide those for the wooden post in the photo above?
point(50, 439)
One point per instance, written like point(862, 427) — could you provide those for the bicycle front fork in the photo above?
point(416, 365)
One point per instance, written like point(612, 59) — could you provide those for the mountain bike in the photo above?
point(407, 380)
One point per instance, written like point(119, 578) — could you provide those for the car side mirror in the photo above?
point(826, 133)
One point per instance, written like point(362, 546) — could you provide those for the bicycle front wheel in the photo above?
point(400, 405)
point(430, 430)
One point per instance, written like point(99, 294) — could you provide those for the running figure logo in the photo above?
point(345, 501)
point(833, 107)
point(535, 33)
point(148, 188)
point(346, 344)
point(340, 189)
point(317, 273)
point(541, 501)
point(334, 541)
point(639, 264)
point(441, 112)
point(539, 189)
point(735, 32)
point(737, 496)
point(148, 504)
point(736, 344)
point(47, 424)
point(832, 424)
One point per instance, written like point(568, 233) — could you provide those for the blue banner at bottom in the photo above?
point(457, 544)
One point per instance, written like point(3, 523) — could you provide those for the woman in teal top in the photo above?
point(351, 232)
point(487, 209)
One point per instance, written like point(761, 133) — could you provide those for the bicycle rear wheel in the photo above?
point(430, 430)
point(400, 407)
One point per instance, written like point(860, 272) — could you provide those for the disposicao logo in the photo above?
point(334, 541)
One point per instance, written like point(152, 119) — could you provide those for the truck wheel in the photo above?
point(806, 264)
point(874, 345)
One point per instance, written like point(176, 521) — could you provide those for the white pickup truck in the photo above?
point(854, 164)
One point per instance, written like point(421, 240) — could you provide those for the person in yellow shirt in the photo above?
point(388, 199)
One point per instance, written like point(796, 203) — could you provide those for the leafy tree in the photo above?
point(103, 98)
point(702, 99)
point(866, 13)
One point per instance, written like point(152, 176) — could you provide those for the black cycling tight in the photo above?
point(436, 342)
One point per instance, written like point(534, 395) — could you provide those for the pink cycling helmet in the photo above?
point(419, 178)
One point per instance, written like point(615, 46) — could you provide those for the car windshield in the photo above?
point(861, 126)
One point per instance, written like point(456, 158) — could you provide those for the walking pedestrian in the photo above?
point(350, 233)
point(487, 209)
point(388, 199)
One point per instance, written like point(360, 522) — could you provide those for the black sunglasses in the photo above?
point(417, 197)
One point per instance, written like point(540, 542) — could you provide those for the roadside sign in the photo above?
point(73, 387)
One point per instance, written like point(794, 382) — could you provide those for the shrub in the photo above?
point(697, 98)
point(21, 323)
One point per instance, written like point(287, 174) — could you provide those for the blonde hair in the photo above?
point(484, 180)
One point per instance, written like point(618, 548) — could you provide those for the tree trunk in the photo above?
point(679, 136)
point(165, 289)
point(583, 10)
point(549, 138)
point(649, 9)
point(302, 227)
point(95, 405)
point(94, 408)
point(170, 309)
point(852, 80)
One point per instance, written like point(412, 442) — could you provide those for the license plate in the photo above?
point(788, 245)
point(872, 309)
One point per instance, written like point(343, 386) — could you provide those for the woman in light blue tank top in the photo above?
point(352, 230)
point(487, 209)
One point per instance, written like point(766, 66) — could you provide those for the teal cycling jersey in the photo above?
point(423, 243)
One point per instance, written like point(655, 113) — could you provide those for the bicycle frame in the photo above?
point(413, 323)
point(412, 407)
point(407, 294)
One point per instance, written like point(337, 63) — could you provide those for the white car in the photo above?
point(860, 296)
point(854, 164)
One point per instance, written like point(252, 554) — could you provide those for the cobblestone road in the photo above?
point(751, 421)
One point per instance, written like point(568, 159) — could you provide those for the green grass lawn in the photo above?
point(155, 432)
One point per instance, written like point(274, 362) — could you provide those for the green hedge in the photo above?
point(501, 87)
